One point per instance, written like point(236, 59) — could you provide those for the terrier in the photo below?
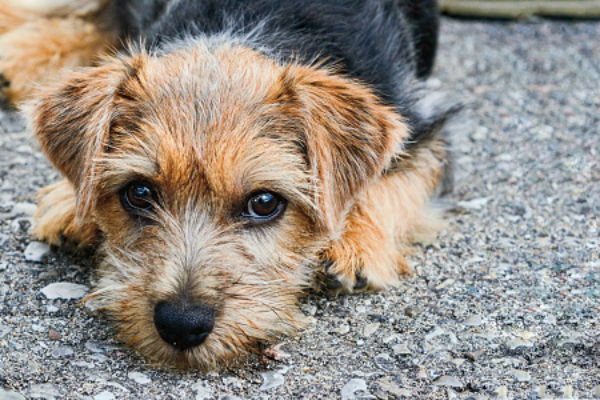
point(231, 155)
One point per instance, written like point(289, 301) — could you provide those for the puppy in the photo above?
point(232, 155)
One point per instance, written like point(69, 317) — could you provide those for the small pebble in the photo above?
point(24, 210)
point(43, 391)
point(350, 389)
point(521, 376)
point(64, 290)
point(202, 391)
point(401, 349)
point(567, 392)
point(450, 381)
point(62, 351)
point(444, 284)
point(271, 380)
point(105, 395)
point(93, 347)
point(473, 320)
point(343, 329)
point(8, 395)
point(473, 204)
point(502, 393)
point(139, 378)
point(37, 252)
point(370, 329)
point(389, 386)
point(54, 335)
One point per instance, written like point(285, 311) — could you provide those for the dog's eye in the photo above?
point(138, 197)
point(264, 206)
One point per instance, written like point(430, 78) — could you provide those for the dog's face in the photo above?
point(216, 176)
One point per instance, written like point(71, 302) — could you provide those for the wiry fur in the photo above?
point(226, 99)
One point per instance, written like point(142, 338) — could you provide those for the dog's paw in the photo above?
point(55, 221)
point(348, 272)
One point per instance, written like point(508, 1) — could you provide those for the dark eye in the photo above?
point(138, 197)
point(264, 206)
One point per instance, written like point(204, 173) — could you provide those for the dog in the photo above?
point(225, 156)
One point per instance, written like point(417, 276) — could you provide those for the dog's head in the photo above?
point(216, 178)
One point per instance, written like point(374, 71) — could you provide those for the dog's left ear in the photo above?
point(350, 136)
point(72, 121)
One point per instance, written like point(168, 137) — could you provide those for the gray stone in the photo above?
point(45, 391)
point(370, 329)
point(356, 389)
point(202, 391)
point(474, 204)
point(567, 392)
point(502, 393)
point(37, 252)
point(65, 290)
point(139, 378)
point(343, 329)
point(521, 376)
point(271, 380)
point(401, 349)
point(62, 352)
point(4, 330)
point(24, 209)
point(93, 347)
point(389, 386)
point(449, 381)
point(9, 395)
point(473, 320)
point(104, 395)
point(3, 239)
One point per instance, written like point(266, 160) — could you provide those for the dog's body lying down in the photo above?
point(242, 150)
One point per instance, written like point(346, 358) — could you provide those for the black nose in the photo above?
point(184, 325)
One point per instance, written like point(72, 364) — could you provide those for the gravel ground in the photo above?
point(503, 304)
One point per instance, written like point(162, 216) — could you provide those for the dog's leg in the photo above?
point(55, 221)
point(392, 212)
point(35, 52)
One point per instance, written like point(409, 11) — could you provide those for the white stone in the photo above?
point(105, 395)
point(202, 391)
point(473, 320)
point(6, 395)
point(43, 391)
point(355, 385)
point(450, 381)
point(521, 376)
point(139, 377)
point(62, 352)
point(370, 329)
point(401, 349)
point(24, 209)
point(271, 380)
point(65, 290)
point(474, 204)
point(37, 251)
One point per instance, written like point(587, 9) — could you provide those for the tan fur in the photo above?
point(391, 213)
point(55, 220)
point(35, 46)
point(208, 125)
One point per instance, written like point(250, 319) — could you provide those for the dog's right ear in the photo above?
point(72, 121)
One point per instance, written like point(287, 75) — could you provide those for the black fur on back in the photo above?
point(387, 44)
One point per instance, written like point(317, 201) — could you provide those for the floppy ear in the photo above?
point(72, 122)
point(350, 137)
